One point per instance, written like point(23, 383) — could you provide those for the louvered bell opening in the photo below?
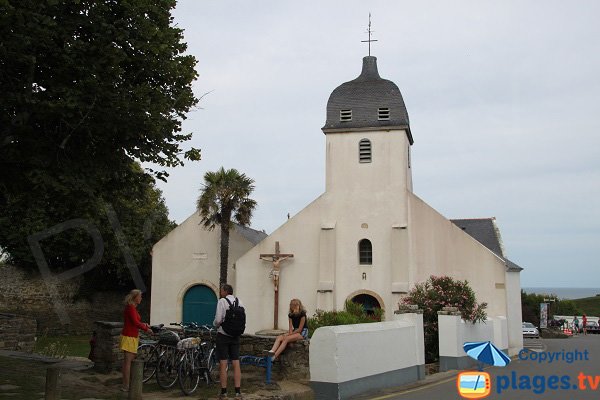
point(383, 114)
point(345, 115)
point(364, 151)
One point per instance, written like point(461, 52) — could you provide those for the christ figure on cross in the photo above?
point(276, 259)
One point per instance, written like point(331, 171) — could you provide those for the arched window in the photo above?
point(364, 151)
point(365, 252)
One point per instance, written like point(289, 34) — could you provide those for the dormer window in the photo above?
point(383, 114)
point(364, 151)
point(345, 115)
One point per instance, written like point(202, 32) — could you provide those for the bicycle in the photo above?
point(148, 351)
point(199, 359)
point(151, 351)
point(167, 367)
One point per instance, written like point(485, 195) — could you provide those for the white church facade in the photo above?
point(367, 238)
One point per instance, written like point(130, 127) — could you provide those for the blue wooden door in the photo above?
point(199, 304)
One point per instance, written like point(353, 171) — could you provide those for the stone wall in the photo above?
point(108, 356)
point(26, 294)
point(293, 362)
point(17, 332)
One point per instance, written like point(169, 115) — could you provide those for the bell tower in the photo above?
point(368, 135)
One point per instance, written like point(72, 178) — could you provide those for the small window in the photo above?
point(365, 252)
point(383, 114)
point(364, 151)
point(345, 115)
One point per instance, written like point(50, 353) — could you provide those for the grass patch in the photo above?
point(589, 305)
point(63, 346)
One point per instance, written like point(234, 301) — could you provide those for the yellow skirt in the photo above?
point(129, 344)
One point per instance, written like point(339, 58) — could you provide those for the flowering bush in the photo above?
point(438, 292)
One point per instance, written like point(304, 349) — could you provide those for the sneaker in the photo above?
point(271, 353)
point(238, 396)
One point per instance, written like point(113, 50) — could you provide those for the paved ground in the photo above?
point(525, 378)
point(79, 381)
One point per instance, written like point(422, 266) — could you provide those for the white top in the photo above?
point(222, 307)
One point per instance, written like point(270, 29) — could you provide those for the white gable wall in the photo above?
point(439, 247)
point(187, 256)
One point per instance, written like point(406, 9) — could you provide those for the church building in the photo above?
point(368, 238)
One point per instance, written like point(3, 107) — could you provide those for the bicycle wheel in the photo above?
point(149, 354)
point(166, 370)
point(212, 365)
point(188, 374)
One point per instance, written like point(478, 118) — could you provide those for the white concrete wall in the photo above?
point(187, 256)
point(348, 352)
point(501, 335)
point(454, 332)
point(514, 312)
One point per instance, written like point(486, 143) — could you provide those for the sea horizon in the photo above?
point(565, 293)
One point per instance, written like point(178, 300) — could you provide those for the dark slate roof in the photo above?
point(512, 266)
point(485, 232)
point(482, 230)
point(364, 96)
point(252, 235)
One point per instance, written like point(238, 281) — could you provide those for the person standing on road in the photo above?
point(584, 323)
point(575, 325)
point(132, 323)
point(228, 347)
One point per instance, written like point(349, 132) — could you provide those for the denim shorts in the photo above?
point(304, 333)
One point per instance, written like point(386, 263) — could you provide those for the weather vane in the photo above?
point(369, 31)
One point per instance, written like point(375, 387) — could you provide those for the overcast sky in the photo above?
point(503, 99)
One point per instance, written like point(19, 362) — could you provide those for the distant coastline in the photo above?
point(564, 293)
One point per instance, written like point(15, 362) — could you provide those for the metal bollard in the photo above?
point(136, 380)
point(52, 380)
point(269, 365)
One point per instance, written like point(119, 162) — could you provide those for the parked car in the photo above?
point(529, 330)
point(593, 327)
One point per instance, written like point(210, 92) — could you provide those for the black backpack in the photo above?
point(235, 319)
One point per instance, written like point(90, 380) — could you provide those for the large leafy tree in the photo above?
point(225, 198)
point(89, 89)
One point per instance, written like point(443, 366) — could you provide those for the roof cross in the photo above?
point(369, 31)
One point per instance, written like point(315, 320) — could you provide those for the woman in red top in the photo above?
point(130, 334)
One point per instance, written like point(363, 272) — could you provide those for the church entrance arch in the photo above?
point(199, 305)
point(369, 300)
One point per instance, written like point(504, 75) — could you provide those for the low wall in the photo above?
point(17, 332)
point(349, 360)
point(293, 362)
point(454, 332)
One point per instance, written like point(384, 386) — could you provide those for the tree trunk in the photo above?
point(224, 252)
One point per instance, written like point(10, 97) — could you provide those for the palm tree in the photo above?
point(224, 198)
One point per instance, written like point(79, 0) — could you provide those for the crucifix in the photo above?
point(275, 259)
point(369, 31)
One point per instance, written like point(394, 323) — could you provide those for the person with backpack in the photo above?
point(230, 319)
